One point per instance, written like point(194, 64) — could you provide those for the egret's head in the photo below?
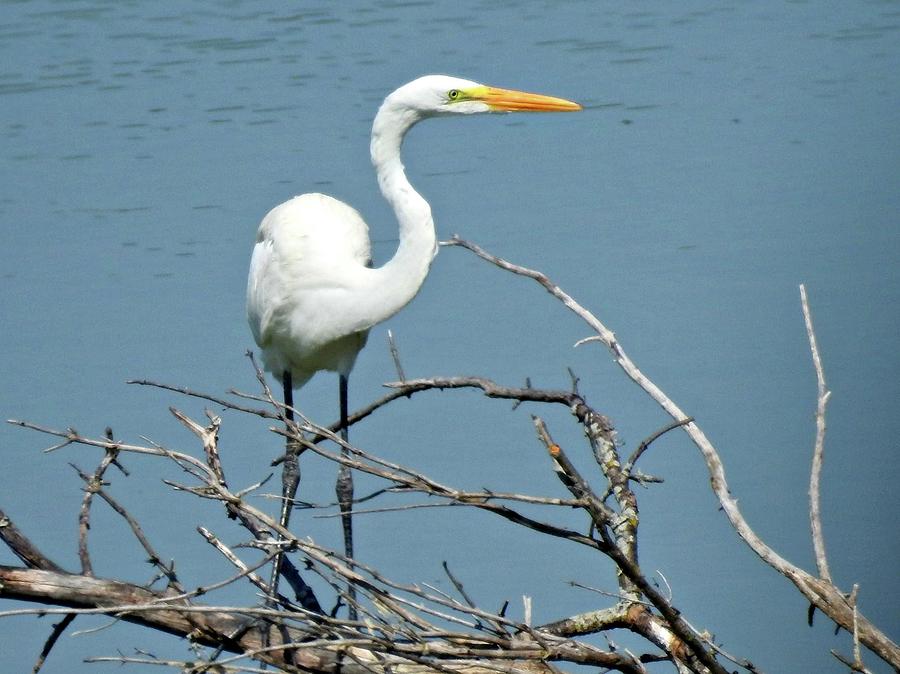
point(444, 95)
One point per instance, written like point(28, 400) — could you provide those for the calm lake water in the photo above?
point(727, 152)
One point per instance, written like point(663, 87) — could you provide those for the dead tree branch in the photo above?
point(819, 591)
point(405, 628)
point(296, 634)
point(815, 515)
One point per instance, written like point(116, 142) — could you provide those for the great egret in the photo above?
point(312, 295)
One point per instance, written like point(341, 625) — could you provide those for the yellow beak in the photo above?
point(510, 100)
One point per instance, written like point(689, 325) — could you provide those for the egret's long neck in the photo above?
point(398, 281)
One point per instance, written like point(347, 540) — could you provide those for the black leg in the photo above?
point(288, 394)
point(290, 479)
point(344, 491)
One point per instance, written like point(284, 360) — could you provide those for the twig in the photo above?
point(226, 552)
point(600, 514)
point(108, 432)
point(497, 627)
point(179, 665)
point(71, 436)
point(641, 448)
point(152, 556)
point(94, 484)
point(856, 664)
point(54, 636)
point(457, 584)
point(23, 548)
point(266, 414)
point(815, 514)
point(490, 388)
point(606, 593)
point(853, 666)
point(395, 355)
point(575, 379)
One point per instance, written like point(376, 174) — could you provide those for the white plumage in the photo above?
point(310, 259)
point(312, 296)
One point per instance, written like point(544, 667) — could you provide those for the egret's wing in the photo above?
point(309, 244)
point(261, 295)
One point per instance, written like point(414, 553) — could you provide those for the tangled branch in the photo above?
point(401, 627)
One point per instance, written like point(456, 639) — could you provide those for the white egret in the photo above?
point(312, 295)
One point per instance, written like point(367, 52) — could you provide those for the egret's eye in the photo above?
point(454, 94)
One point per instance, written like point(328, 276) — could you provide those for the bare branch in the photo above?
point(54, 636)
point(491, 389)
point(496, 626)
point(641, 448)
point(412, 481)
point(408, 628)
point(23, 548)
point(822, 593)
point(227, 404)
point(71, 436)
point(152, 556)
point(815, 514)
point(601, 515)
point(676, 637)
point(395, 355)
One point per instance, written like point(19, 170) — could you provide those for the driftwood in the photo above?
point(408, 628)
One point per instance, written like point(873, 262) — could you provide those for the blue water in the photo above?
point(727, 153)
